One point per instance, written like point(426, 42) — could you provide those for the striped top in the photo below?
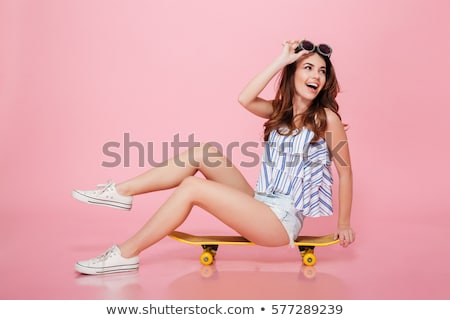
point(294, 166)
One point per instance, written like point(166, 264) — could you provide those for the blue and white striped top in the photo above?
point(294, 166)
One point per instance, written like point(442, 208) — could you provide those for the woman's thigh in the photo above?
point(249, 217)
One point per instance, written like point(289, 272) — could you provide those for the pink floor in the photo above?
point(41, 245)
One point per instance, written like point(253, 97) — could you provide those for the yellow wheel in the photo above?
point(309, 259)
point(206, 258)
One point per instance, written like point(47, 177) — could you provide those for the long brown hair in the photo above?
point(314, 117)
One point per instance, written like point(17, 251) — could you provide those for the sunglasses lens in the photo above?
point(307, 45)
point(325, 49)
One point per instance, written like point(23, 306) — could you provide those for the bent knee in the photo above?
point(208, 155)
point(192, 187)
point(189, 181)
point(207, 149)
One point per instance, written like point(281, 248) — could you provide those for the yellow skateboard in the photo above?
point(210, 244)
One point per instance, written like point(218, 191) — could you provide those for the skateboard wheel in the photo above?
point(309, 259)
point(206, 258)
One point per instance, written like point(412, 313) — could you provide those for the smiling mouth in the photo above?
point(313, 86)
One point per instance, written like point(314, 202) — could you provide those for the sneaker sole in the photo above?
point(114, 269)
point(99, 202)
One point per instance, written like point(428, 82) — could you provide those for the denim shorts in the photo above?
point(283, 207)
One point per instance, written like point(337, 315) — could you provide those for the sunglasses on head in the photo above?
point(323, 49)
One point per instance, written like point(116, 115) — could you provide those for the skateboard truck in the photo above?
point(209, 252)
point(307, 253)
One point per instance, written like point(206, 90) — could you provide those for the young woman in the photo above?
point(303, 132)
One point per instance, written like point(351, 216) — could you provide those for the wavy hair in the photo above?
point(314, 117)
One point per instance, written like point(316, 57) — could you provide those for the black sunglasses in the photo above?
point(322, 49)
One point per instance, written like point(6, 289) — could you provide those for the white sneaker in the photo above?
point(105, 195)
point(109, 262)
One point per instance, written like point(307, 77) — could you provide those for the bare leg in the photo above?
point(237, 209)
point(205, 159)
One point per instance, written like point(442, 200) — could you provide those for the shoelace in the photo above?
point(105, 255)
point(104, 186)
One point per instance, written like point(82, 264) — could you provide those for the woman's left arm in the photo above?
point(337, 142)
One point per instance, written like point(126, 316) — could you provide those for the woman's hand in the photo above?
point(346, 235)
point(288, 54)
point(250, 98)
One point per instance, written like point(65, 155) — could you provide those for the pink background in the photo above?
point(77, 74)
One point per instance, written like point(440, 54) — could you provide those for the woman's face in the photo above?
point(310, 77)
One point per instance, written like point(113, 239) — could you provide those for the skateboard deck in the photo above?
point(210, 244)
